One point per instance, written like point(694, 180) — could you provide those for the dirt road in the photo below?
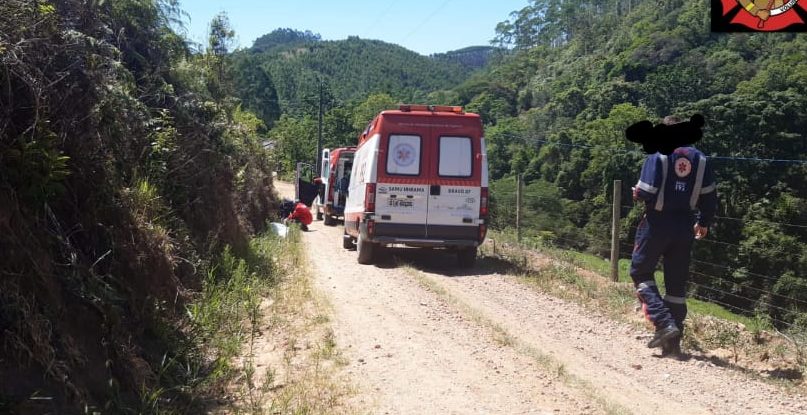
point(423, 337)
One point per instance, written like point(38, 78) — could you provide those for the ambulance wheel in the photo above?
point(347, 242)
point(466, 257)
point(330, 221)
point(365, 250)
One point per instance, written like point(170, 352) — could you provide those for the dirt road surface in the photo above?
point(423, 337)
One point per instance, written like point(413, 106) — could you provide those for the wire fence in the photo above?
point(618, 150)
point(727, 267)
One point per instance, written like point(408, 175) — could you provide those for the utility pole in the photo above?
point(318, 157)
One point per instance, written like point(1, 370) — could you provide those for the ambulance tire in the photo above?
point(330, 220)
point(466, 257)
point(347, 242)
point(365, 249)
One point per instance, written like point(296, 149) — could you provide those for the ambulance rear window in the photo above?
point(403, 155)
point(455, 157)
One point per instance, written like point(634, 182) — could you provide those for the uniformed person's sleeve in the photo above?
point(650, 179)
point(707, 202)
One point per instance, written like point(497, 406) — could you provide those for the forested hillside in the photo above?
point(582, 71)
point(556, 107)
point(130, 184)
point(133, 171)
point(473, 57)
point(350, 70)
point(283, 75)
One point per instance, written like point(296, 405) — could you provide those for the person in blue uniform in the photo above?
point(678, 188)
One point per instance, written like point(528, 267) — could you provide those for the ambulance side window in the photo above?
point(456, 158)
point(403, 155)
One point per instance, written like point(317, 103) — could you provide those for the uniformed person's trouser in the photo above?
point(669, 236)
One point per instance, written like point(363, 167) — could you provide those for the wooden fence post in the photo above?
point(615, 230)
point(519, 190)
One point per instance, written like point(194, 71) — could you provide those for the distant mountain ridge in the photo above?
point(353, 68)
point(472, 57)
point(284, 38)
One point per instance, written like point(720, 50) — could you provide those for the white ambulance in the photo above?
point(335, 176)
point(419, 178)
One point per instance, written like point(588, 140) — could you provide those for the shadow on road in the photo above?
point(442, 262)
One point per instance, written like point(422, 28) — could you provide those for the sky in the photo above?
point(424, 26)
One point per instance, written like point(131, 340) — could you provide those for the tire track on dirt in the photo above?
point(611, 356)
point(416, 351)
point(413, 353)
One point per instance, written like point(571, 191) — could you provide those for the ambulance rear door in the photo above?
point(401, 195)
point(454, 198)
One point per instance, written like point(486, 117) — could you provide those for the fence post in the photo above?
point(519, 186)
point(615, 230)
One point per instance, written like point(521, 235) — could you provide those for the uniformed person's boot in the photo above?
point(672, 349)
point(664, 335)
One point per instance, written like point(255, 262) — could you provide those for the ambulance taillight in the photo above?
point(332, 184)
point(483, 203)
point(369, 197)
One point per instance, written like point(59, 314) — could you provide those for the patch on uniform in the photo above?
point(680, 186)
point(683, 167)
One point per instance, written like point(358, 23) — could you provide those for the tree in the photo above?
point(367, 110)
point(220, 41)
point(295, 141)
point(256, 89)
point(284, 38)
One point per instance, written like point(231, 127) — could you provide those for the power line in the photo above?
point(426, 20)
point(382, 14)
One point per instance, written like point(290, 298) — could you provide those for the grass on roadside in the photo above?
point(256, 340)
point(744, 342)
point(602, 267)
point(297, 347)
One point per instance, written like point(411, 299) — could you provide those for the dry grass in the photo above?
point(292, 364)
point(761, 354)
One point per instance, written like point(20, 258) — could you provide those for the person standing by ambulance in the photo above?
point(680, 197)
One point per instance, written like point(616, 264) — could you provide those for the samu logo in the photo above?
point(403, 155)
point(759, 15)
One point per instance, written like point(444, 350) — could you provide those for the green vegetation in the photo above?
point(602, 267)
point(582, 71)
point(286, 72)
point(132, 183)
point(711, 329)
point(555, 106)
point(223, 318)
point(293, 68)
point(134, 174)
point(472, 57)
